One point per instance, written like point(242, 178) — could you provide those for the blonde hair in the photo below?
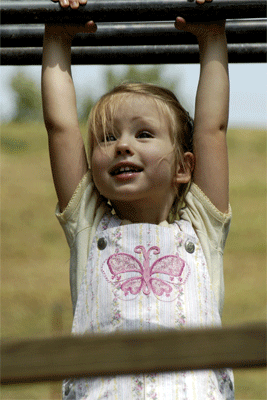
point(180, 123)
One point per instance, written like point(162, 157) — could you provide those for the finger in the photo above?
point(180, 23)
point(74, 4)
point(91, 27)
point(63, 3)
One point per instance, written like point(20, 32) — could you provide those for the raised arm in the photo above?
point(66, 147)
point(211, 112)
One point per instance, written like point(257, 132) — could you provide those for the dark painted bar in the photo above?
point(164, 54)
point(29, 12)
point(136, 33)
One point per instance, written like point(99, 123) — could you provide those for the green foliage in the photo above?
point(152, 74)
point(134, 73)
point(28, 98)
point(13, 146)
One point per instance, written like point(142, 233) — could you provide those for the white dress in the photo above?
point(144, 277)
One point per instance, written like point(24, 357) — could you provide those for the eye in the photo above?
point(144, 135)
point(110, 138)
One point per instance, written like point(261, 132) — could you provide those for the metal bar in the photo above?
point(136, 33)
point(157, 54)
point(44, 359)
point(28, 12)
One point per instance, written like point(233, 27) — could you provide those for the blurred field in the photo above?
point(35, 255)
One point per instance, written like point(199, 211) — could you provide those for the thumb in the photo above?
point(180, 23)
point(90, 26)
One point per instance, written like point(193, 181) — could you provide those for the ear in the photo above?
point(184, 169)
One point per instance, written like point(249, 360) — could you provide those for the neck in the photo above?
point(139, 211)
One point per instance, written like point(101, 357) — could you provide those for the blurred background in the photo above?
point(248, 98)
point(35, 294)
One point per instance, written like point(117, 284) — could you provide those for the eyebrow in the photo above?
point(143, 119)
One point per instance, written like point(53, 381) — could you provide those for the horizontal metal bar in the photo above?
point(44, 359)
point(136, 33)
point(157, 54)
point(28, 12)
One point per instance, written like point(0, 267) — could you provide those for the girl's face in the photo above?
point(137, 162)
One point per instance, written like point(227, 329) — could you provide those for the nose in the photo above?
point(124, 147)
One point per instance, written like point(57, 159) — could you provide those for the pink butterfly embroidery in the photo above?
point(145, 280)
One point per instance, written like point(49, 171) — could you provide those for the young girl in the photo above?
point(147, 223)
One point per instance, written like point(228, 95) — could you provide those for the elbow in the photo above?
point(223, 127)
point(53, 128)
point(51, 125)
point(214, 126)
point(56, 125)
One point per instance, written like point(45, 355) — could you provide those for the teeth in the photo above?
point(125, 169)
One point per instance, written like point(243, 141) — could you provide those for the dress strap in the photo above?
point(185, 227)
point(108, 220)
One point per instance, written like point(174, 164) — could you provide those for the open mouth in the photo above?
point(125, 170)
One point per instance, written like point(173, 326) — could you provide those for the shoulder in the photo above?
point(85, 208)
point(198, 201)
point(205, 218)
point(76, 198)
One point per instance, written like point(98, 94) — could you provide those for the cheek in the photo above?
point(98, 165)
point(162, 159)
point(162, 172)
point(100, 158)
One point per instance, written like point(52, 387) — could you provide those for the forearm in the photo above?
point(59, 99)
point(212, 99)
point(211, 111)
point(211, 117)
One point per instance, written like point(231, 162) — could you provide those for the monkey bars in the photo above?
point(147, 54)
point(120, 39)
point(134, 33)
point(28, 12)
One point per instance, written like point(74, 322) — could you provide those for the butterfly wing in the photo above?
point(123, 263)
point(132, 285)
point(159, 287)
point(173, 266)
point(170, 265)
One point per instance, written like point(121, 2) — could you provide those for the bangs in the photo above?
point(101, 119)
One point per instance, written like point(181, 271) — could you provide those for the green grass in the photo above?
point(35, 267)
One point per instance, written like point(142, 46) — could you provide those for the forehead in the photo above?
point(137, 107)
